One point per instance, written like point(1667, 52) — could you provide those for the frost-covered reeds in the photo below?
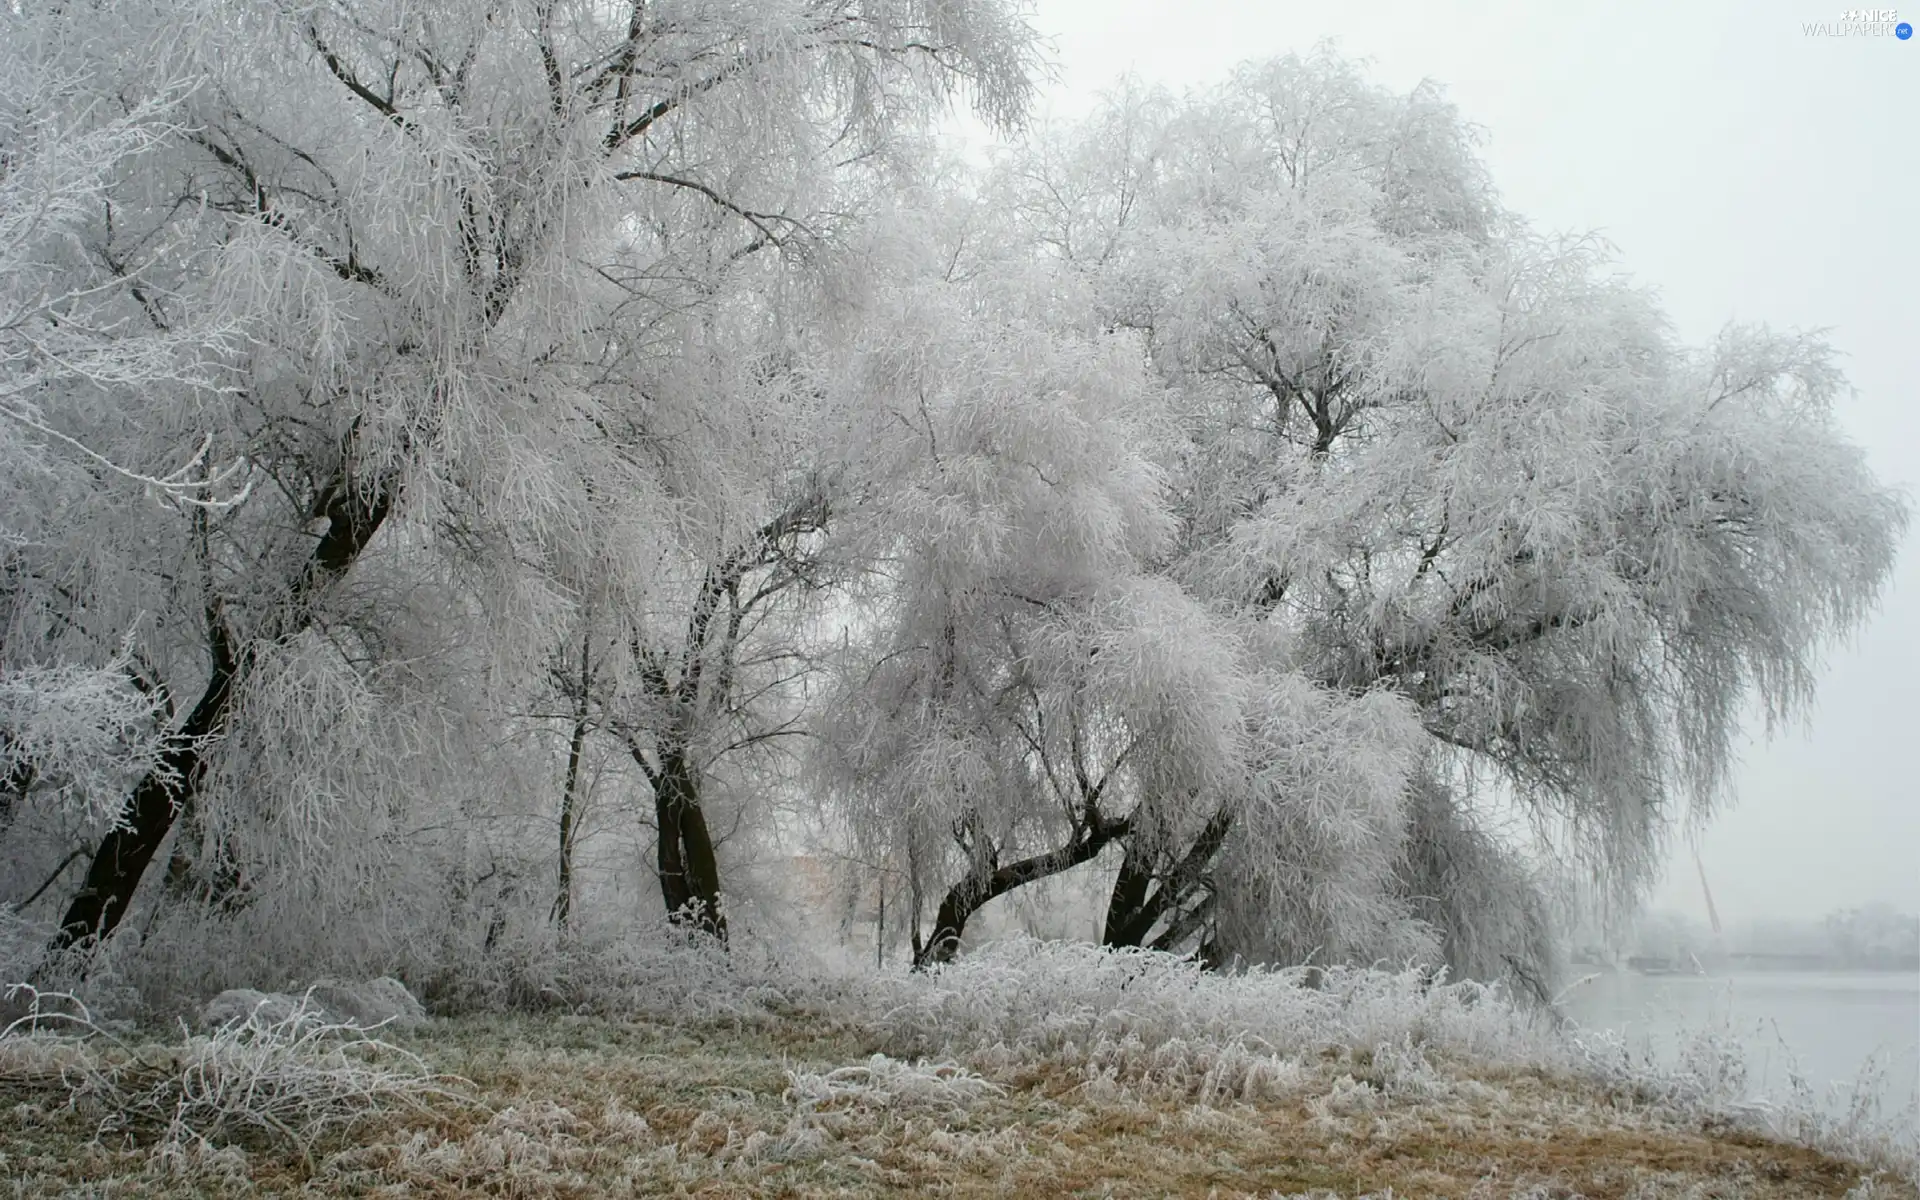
point(291, 1077)
point(864, 1056)
point(1144, 1018)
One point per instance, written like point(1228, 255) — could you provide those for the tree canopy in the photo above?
point(475, 475)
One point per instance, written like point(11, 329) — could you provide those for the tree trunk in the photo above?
point(689, 870)
point(1131, 910)
point(353, 516)
point(145, 820)
point(984, 882)
point(569, 802)
point(1143, 894)
point(570, 791)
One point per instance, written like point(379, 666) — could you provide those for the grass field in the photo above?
point(945, 1087)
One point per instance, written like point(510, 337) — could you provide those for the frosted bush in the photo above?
point(1347, 1097)
point(883, 1082)
point(377, 1003)
point(1401, 1071)
point(1710, 1071)
point(1153, 1017)
point(658, 970)
point(286, 1076)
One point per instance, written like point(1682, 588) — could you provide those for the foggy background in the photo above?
point(1744, 169)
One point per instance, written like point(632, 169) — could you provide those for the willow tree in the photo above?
point(1473, 467)
point(429, 224)
point(679, 653)
point(1023, 681)
point(1009, 683)
point(1576, 546)
point(82, 704)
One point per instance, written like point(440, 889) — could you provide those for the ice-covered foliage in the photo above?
point(1440, 455)
point(451, 455)
point(1490, 909)
point(460, 296)
point(1154, 1020)
point(890, 1083)
point(71, 361)
point(1032, 685)
point(709, 1064)
point(1321, 836)
point(1581, 561)
point(1018, 660)
point(279, 1075)
point(77, 733)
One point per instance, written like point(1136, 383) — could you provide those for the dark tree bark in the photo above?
point(686, 864)
point(688, 867)
point(353, 514)
point(689, 870)
point(569, 802)
point(1148, 891)
point(985, 881)
point(570, 790)
point(1132, 907)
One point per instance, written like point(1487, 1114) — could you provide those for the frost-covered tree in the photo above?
point(432, 240)
point(1031, 686)
point(84, 339)
point(682, 653)
point(439, 442)
point(1013, 680)
point(1458, 462)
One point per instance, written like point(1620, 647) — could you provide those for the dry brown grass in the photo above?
point(578, 1107)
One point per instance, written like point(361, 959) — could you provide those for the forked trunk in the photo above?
point(689, 870)
point(1149, 891)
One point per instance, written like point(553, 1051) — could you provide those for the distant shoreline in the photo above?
point(1752, 964)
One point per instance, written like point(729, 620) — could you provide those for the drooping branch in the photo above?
point(354, 512)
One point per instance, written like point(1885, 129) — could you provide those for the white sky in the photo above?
point(1748, 171)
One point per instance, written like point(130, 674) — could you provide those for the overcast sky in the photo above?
point(1748, 171)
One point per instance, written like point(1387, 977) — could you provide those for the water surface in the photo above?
point(1827, 1026)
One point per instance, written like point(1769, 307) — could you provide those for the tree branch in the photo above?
point(759, 220)
point(340, 71)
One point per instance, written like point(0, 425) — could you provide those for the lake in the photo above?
point(1827, 1024)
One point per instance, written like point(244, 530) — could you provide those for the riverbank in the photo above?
point(580, 1107)
point(1035, 1070)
